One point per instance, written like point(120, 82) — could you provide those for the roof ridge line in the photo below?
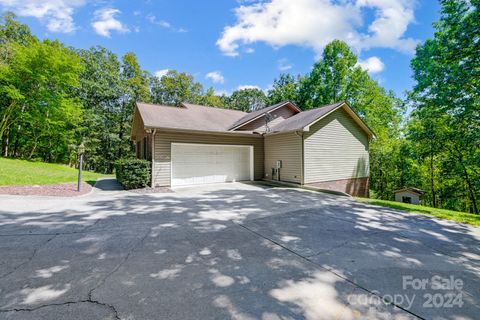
point(212, 107)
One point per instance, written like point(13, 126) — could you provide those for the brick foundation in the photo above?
point(355, 186)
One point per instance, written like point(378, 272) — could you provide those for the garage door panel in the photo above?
point(201, 164)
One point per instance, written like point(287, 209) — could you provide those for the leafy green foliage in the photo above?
point(247, 100)
point(37, 95)
point(133, 173)
point(284, 88)
point(175, 88)
point(446, 103)
point(101, 91)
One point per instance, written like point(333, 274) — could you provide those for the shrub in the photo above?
point(133, 173)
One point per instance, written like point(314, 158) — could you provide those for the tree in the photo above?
point(284, 88)
point(13, 31)
point(38, 106)
point(446, 95)
point(336, 77)
point(212, 100)
point(136, 90)
point(174, 88)
point(247, 100)
point(101, 92)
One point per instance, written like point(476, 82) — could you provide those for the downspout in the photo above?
point(302, 171)
point(153, 158)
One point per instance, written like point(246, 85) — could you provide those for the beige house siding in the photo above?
point(163, 140)
point(258, 125)
point(335, 148)
point(288, 148)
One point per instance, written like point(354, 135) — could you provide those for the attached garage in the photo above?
point(205, 163)
point(182, 159)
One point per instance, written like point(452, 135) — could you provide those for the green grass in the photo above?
point(22, 172)
point(463, 217)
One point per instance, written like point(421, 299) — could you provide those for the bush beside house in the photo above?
point(133, 173)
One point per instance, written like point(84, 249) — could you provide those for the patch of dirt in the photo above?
point(152, 190)
point(56, 190)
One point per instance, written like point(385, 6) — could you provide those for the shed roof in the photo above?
point(411, 189)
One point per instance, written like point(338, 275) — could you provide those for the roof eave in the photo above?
point(235, 133)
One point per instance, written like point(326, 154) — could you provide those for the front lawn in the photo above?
point(463, 217)
point(22, 172)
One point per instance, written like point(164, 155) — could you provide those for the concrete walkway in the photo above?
point(239, 251)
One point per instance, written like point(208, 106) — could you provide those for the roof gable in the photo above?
point(252, 116)
point(304, 120)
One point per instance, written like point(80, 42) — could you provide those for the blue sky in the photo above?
point(230, 44)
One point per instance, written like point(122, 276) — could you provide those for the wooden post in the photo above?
point(80, 172)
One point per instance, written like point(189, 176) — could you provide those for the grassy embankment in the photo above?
point(463, 217)
point(22, 172)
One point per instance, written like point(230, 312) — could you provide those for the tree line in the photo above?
point(53, 97)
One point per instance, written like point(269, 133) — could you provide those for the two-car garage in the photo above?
point(193, 164)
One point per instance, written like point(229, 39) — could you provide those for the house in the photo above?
point(326, 147)
point(409, 195)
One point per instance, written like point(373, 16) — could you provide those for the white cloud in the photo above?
point(284, 65)
point(248, 86)
point(390, 24)
point(215, 77)
point(161, 73)
point(372, 65)
point(58, 14)
point(105, 21)
point(163, 23)
point(314, 23)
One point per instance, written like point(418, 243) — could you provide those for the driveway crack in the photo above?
point(344, 243)
point(119, 265)
point(29, 259)
point(110, 307)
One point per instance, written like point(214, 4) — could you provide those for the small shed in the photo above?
point(409, 195)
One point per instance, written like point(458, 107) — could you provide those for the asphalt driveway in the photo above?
point(237, 251)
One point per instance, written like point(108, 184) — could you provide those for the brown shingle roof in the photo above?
point(304, 118)
point(188, 117)
point(211, 119)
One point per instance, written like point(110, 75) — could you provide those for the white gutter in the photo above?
point(153, 159)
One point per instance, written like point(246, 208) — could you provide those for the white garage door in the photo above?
point(202, 163)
